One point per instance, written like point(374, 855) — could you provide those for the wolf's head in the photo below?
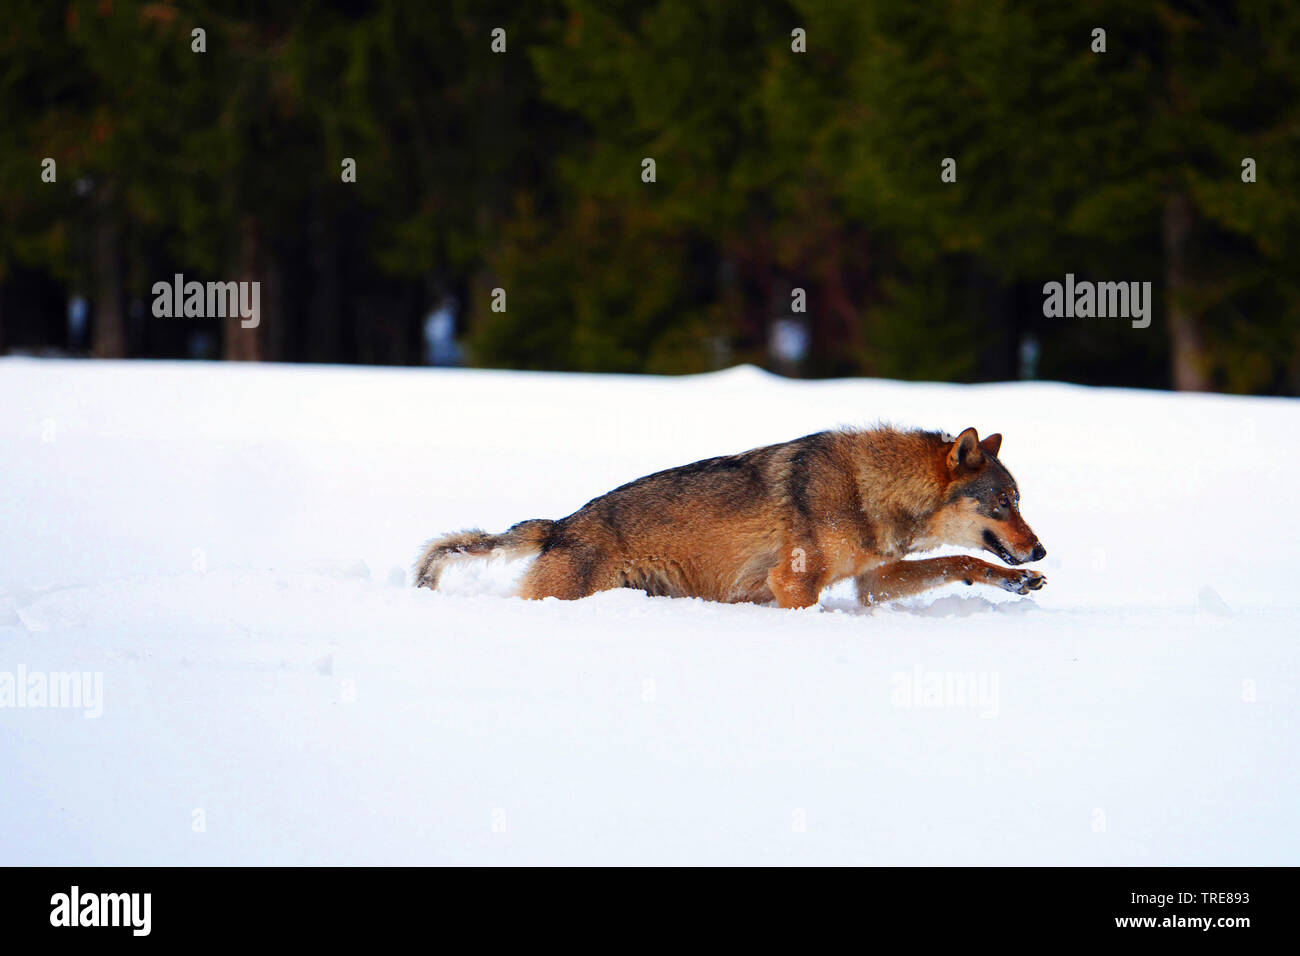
point(981, 507)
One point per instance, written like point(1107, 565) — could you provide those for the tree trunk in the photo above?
point(324, 325)
point(238, 343)
point(1189, 362)
point(110, 317)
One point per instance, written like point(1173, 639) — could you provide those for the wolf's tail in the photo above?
point(523, 539)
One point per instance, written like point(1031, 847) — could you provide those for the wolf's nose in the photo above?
point(1038, 553)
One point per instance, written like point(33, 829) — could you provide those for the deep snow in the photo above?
point(227, 546)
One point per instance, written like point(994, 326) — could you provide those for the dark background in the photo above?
point(776, 170)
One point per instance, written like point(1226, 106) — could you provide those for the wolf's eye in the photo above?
point(1003, 501)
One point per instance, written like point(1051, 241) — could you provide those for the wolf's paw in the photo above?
point(1022, 582)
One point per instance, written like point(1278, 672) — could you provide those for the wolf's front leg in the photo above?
point(888, 582)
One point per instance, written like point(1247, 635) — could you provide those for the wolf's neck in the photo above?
point(899, 485)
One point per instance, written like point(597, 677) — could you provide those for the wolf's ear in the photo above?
point(965, 451)
point(992, 444)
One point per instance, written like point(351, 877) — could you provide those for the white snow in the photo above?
point(227, 547)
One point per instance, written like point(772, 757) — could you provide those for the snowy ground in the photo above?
point(226, 547)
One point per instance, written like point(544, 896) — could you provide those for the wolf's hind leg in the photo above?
point(567, 573)
point(900, 579)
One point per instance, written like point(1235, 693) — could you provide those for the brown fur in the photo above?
point(781, 523)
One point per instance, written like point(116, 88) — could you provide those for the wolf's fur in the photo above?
point(781, 523)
